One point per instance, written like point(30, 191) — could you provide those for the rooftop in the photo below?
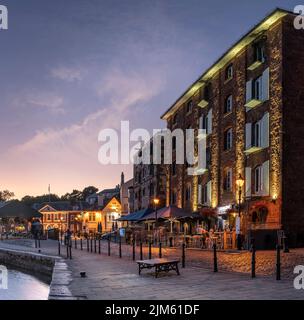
point(234, 50)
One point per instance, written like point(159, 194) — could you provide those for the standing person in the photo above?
point(68, 236)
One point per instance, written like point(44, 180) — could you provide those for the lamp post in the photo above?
point(239, 182)
point(156, 202)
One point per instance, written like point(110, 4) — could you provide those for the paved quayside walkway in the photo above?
point(115, 278)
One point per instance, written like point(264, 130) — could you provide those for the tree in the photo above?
point(88, 191)
point(30, 200)
point(6, 195)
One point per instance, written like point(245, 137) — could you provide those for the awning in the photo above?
point(136, 216)
point(172, 212)
point(17, 209)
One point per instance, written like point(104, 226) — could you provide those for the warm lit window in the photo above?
point(228, 139)
point(228, 104)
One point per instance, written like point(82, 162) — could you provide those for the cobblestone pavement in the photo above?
point(115, 278)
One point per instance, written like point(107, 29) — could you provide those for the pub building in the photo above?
point(250, 102)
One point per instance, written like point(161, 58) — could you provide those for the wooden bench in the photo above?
point(159, 265)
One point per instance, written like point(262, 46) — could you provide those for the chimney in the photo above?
point(122, 179)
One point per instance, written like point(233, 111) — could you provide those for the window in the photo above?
point(92, 217)
point(205, 193)
point(174, 197)
point(174, 168)
point(256, 134)
point(258, 179)
point(208, 156)
point(228, 179)
point(206, 93)
point(49, 217)
point(175, 119)
point(228, 139)
point(188, 193)
point(257, 88)
point(189, 106)
point(173, 143)
point(259, 52)
point(228, 104)
point(229, 72)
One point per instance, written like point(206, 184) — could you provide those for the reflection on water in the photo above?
point(22, 286)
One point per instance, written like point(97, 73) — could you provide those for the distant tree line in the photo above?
point(74, 196)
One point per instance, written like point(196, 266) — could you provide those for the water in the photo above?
point(23, 286)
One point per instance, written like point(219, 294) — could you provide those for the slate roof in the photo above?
point(16, 208)
point(65, 205)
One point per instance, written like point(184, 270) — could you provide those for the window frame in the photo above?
point(228, 133)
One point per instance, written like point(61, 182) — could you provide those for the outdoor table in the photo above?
point(160, 265)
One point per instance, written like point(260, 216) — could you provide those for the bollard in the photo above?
point(171, 242)
point(58, 248)
point(150, 253)
point(183, 256)
point(214, 258)
point(141, 251)
point(81, 248)
point(67, 247)
point(253, 260)
point(99, 247)
point(39, 245)
point(71, 250)
point(278, 271)
point(75, 241)
point(160, 250)
point(88, 245)
point(95, 245)
point(36, 245)
point(91, 244)
point(109, 247)
point(133, 250)
point(119, 247)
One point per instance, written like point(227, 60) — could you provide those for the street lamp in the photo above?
point(239, 182)
point(156, 202)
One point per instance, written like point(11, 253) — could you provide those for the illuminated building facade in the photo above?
point(249, 102)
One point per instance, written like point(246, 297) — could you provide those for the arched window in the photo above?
point(228, 104)
point(229, 72)
point(228, 139)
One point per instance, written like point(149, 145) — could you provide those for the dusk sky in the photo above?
point(71, 68)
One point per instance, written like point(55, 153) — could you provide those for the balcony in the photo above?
point(252, 149)
point(253, 103)
point(203, 103)
point(255, 65)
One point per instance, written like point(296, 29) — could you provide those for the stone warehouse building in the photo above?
point(251, 103)
point(149, 180)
